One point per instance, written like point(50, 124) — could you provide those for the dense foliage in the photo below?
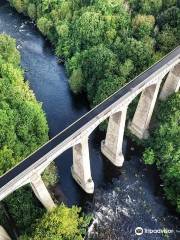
point(164, 147)
point(23, 126)
point(24, 207)
point(105, 42)
point(62, 223)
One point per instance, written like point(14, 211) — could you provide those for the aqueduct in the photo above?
point(76, 136)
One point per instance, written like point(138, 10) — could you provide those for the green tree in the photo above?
point(139, 30)
point(171, 16)
point(168, 4)
point(167, 39)
point(77, 81)
point(20, 5)
point(143, 25)
point(103, 63)
point(89, 29)
point(44, 24)
point(164, 147)
point(140, 52)
point(31, 11)
point(61, 223)
point(23, 207)
point(23, 123)
point(8, 51)
point(23, 129)
point(152, 7)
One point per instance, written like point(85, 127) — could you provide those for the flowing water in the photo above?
point(120, 204)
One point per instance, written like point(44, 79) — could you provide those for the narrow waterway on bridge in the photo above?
point(126, 202)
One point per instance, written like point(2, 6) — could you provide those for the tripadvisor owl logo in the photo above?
point(139, 231)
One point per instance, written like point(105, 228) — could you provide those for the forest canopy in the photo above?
point(23, 125)
point(164, 147)
point(23, 128)
point(105, 43)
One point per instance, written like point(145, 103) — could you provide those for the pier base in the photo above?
point(172, 83)
point(111, 147)
point(81, 170)
point(140, 123)
point(3, 234)
point(41, 192)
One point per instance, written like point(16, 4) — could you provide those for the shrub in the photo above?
point(164, 147)
point(76, 81)
point(143, 25)
point(50, 176)
point(8, 51)
point(23, 126)
point(61, 223)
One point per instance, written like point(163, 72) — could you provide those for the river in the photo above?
point(124, 202)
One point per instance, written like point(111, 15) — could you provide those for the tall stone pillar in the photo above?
point(140, 123)
point(3, 234)
point(41, 192)
point(172, 83)
point(81, 170)
point(111, 147)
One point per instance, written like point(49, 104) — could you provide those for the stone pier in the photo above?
point(81, 170)
point(3, 234)
point(140, 123)
point(76, 135)
point(111, 147)
point(172, 83)
point(41, 192)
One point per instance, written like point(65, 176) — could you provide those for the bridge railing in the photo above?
point(76, 135)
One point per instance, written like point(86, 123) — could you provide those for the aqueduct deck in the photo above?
point(76, 136)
